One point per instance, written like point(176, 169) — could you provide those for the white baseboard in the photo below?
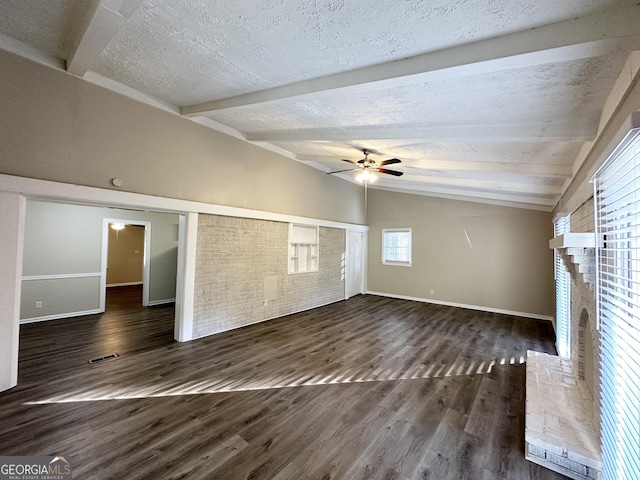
point(125, 284)
point(462, 305)
point(59, 315)
point(153, 303)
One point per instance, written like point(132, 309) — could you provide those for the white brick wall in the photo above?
point(582, 220)
point(583, 298)
point(234, 255)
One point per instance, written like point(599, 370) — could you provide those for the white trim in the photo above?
point(349, 260)
point(345, 259)
point(12, 218)
point(60, 315)
point(629, 138)
point(153, 303)
point(462, 305)
point(48, 190)
point(125, 284)
point(573, 240)
point(29, 278)
point(186, 276)
point(572, 201)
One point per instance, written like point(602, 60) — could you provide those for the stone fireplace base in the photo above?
point(560, 429)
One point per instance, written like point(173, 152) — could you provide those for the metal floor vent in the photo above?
point(102, 359)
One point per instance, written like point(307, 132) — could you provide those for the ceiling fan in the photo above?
point(367, 167)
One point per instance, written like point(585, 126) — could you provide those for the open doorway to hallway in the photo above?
point(126, 247)
point(71, 254)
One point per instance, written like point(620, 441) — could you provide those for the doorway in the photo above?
point(355, 263)
point(126, 246)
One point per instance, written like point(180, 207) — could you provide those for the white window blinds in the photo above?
point(396, 246)
point(563, 295)
point(617, 193)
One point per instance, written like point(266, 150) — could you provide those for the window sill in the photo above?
point(397, 264)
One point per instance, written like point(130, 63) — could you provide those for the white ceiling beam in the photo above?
point(544, 132)
point(513, 200)
point(529, 169)
point(421, 181)
point(578, 38)
point(103, 23)
point(537, 169)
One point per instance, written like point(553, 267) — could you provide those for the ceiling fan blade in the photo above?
point(389, 172)
point(340, 171)
point(349, 161)
point(390, 161)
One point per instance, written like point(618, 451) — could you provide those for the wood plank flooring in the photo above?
point(369, 388)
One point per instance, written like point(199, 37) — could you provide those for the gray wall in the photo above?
point(234, 255)
point(468, 253)
point(57, 127)
point(63, 239)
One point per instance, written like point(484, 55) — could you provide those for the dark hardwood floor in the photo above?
point(369, 388)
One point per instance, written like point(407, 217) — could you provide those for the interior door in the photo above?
point(355, 263)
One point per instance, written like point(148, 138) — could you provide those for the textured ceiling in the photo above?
point(487, 99)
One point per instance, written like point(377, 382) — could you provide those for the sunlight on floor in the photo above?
point(227, 385)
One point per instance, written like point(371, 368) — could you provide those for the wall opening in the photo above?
point(125, 256)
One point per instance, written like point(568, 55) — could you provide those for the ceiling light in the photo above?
point(365, 176)
point(117, 226)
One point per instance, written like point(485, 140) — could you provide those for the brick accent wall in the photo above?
point(583, 306)
point(582, 220)
point(583, 300)
point(233, 257)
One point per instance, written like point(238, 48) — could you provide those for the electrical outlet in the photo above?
point(38, 304)
point(432, 291)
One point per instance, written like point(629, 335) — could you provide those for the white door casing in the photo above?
point(355, 263)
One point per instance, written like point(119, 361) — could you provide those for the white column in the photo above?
point(12, 212)
point(185, 288)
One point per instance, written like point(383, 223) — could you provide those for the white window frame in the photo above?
point(563, 294)
point(304, 248)
point(617, 208)
point(385, 260)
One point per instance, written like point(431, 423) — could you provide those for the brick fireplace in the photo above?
point(562, 413)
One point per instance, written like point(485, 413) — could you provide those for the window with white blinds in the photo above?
point(396, 246)
point(563, 295)
point(617, 193)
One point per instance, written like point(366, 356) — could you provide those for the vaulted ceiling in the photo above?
point(487, 99)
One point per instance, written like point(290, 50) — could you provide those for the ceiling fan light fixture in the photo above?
point(366, 176)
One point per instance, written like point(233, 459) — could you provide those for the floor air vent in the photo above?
point(102, 359)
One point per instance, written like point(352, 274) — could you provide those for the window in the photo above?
point(617, 194)
point(396, 246)
point(563, 295)
point(303, 248)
